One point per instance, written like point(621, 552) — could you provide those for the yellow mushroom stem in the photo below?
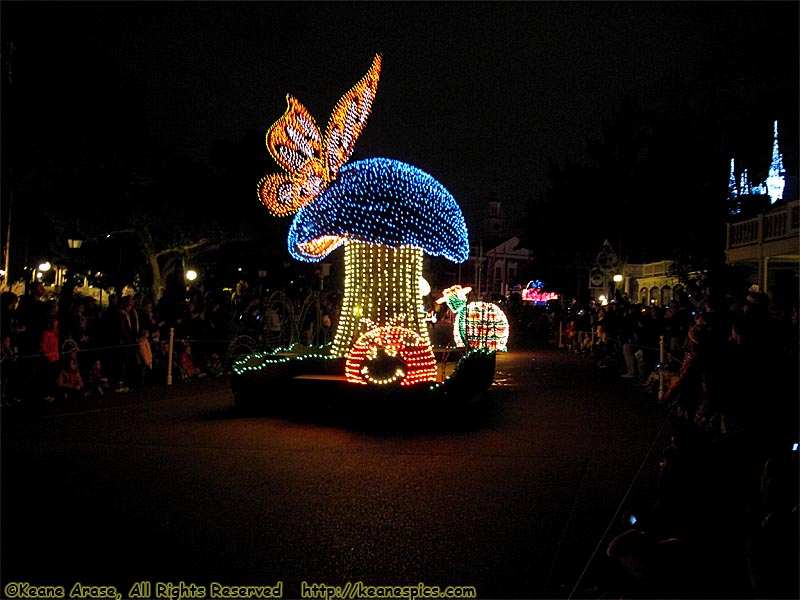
point(381, 287)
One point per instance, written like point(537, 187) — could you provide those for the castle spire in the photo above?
point(744, 183)
point(733, 191)
point(776, 179)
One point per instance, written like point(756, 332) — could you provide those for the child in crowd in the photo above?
point(214, 366)
point(186, 366)
point(670, 371)
point(97, 382)
point(69, 382)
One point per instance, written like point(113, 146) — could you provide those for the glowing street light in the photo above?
point(191, 275)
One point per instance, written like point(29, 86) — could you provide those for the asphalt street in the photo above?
point(516, 496)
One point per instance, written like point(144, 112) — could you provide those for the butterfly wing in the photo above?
point(295, 138)
point(295, 142)
point(349, 118)
point(275, 192)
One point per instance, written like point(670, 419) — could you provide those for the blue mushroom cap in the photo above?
point(381, 201)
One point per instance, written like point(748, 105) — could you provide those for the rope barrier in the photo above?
point(615, 516)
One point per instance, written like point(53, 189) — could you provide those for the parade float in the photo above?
point(386, 215)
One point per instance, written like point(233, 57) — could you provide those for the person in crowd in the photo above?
point(688, 390)
point(214, 366)
point(144, 355)
point(570, 333)
point(650, 567)
point(9, 392)
point(773, 560)
point(217, 319)
point(109, 316)
point(96, 381)
point(49, 357)
point(125, 367)
point(669, 371)
point(171, 310)
point(8, 317)
point(187, 370)
point(134, 313)
point(31, 318)
point(240, 295)
point(250, 323)
point(644, 352)
point(677, 322)
point(713, 319)
point(78, 324)
point(629, 339)
point(148, 320)
point(106, 340)
point(193, 329)
point(69, 383)
point(93, 314)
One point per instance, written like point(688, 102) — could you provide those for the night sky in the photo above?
point(481, 95)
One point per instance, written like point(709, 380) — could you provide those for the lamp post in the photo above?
point(617, 281)
point(75, 243)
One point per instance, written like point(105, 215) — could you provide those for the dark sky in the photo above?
point(470, 92)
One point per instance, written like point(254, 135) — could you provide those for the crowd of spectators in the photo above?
point(723, 521)
point(56, 349)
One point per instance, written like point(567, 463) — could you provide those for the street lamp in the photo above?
point(618, 279)
point(75, 243)
point(43, 268)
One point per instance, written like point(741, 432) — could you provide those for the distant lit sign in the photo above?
point(533, 293)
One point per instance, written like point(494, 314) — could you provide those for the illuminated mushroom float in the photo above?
point(386, 214)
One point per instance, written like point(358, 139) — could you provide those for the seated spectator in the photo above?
point(772, 550)
point(652, 567)
point(214, 366)
point(96, 381)
point(187, 370)
point(669, 371)
point(69, 383)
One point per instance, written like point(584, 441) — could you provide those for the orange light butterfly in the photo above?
point(312, 162)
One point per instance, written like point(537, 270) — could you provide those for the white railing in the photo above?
point(656, 269)
point(778, 224)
